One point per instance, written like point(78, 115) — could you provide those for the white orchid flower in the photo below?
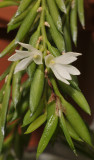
point(60, 66)
point(26, 57)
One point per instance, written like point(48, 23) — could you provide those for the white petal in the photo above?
point(48, 59)
point(72, 70)
point(24, 53)
point(19, 55)
point(65, 59)
point(15, 57)
point(23, 64)
point(62, 71)
point(27, 46)
point(58, 76)
point(74, 54)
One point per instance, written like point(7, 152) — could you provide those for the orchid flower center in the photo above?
point(35, 56)
point(52, 62)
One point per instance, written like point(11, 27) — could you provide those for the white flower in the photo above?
point(60, 66)
point(26, 57)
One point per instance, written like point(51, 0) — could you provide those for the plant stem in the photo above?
point(56, 90)
point(42, 21)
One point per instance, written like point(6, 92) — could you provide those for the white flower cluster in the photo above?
point(59, 65)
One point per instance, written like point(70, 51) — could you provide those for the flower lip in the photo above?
point(37, 59)
point(48, 59)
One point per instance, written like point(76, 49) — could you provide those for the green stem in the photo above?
point(56, 90)
point(42, 21)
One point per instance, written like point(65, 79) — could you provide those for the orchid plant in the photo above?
point(45, 31)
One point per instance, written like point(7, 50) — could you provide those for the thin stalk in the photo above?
point(42, 21)
point(56, 90)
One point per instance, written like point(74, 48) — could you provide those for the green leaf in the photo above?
point(66, 132)
point(72, 132)
point(47, 133)
point(36, 88)
point(36, 124)
point(28, 118)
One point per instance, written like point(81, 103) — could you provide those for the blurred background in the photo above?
point(85, 62)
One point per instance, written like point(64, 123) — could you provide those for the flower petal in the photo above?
point(62, 71)
point(74, 54)
point(15, 57)
point(58, 76)
point(27, 46)
point(19, 55)
point(24, 53)
point(23, 64)
point(48, 59)
point(65, 59)
point(72, 70)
